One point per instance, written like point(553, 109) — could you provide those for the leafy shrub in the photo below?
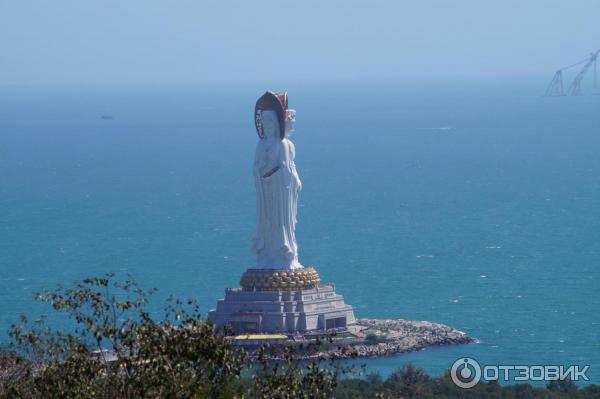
point(118, 351)
point(372, 339)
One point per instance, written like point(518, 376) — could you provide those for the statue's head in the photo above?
point(271, 112)
point(270, 124)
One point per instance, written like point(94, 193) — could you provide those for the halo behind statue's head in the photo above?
point(271, 101)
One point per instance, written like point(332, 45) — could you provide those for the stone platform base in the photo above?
point(288, 312)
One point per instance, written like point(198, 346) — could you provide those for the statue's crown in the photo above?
point(271, 101)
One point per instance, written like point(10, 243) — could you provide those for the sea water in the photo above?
point(471, 204)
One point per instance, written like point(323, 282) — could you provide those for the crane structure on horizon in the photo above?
point(555, 88)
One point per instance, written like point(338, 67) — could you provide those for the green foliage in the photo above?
point(412, 382)
point(372, 339)
point(118, 351)
point(291, 379)
point(408, 381)
point(562, 386)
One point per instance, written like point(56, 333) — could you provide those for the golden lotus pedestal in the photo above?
point(279, 280)
point(282, 301)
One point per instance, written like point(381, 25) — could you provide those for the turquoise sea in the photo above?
point(471, 204)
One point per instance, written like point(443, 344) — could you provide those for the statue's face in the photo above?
point(270, 124)
point(290, 121)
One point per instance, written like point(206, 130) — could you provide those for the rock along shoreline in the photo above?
point(379, 338)
point(402, 336)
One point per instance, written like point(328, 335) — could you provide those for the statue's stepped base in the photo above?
point(289, 312)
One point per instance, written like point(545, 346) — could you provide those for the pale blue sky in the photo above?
point(195, 41)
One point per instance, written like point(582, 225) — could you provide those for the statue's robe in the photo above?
point(277, 185)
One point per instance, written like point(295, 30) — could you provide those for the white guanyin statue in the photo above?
point(277, 185)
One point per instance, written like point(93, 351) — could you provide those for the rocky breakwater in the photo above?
point(371, 338)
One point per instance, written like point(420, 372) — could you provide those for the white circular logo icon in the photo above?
point(465, 372)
